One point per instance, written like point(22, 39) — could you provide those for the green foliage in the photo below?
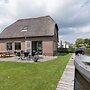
point(87, 42)
point(32, 76)
point(79, 42)
point(87, 46)
point(87, 51)
point(66, 50)
point(83, 42)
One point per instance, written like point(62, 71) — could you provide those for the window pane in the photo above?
point(17, 46)
point(9, 46)
point(36, 47)
point(39, 47)
point(25, 28)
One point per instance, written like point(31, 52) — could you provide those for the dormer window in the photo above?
point(25, 28)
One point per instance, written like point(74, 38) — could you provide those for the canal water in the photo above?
point(77, 85)
point(80, 83)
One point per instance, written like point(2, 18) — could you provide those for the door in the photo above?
point(36, 47)
point(28, 47)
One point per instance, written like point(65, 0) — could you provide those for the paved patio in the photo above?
point(17, 59)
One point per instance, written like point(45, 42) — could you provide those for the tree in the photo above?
point(86, 41)
point(79, 42)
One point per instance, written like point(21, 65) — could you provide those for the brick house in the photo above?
point(34, 34)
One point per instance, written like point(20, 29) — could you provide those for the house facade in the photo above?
point(33, 34)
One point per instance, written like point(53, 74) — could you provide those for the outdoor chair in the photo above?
point(19, 55)
point(26, 55)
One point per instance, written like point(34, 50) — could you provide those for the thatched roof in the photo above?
point(31, 27)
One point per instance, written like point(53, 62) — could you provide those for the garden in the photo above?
point(32, 76)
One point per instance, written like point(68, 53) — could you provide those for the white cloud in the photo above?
point(7, 13)
point(72, 16)
point(8, 9)
point(83, 29)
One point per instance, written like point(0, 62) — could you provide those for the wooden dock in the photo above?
point(67, 80)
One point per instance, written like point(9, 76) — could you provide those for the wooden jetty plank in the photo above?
point(67, 80)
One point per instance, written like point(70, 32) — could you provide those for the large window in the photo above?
point(9, 45)
point(37, 47)
point(17, 45)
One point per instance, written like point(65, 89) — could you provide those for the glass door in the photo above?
point(36, 47)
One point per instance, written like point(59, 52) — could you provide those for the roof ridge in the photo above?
point(33, 18)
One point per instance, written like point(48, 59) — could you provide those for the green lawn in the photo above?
point(32, 76)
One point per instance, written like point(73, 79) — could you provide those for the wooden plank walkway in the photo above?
point(67, 80)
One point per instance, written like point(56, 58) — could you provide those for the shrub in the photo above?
point(66, 50)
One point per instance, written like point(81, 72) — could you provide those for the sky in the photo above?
point(71, 16)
